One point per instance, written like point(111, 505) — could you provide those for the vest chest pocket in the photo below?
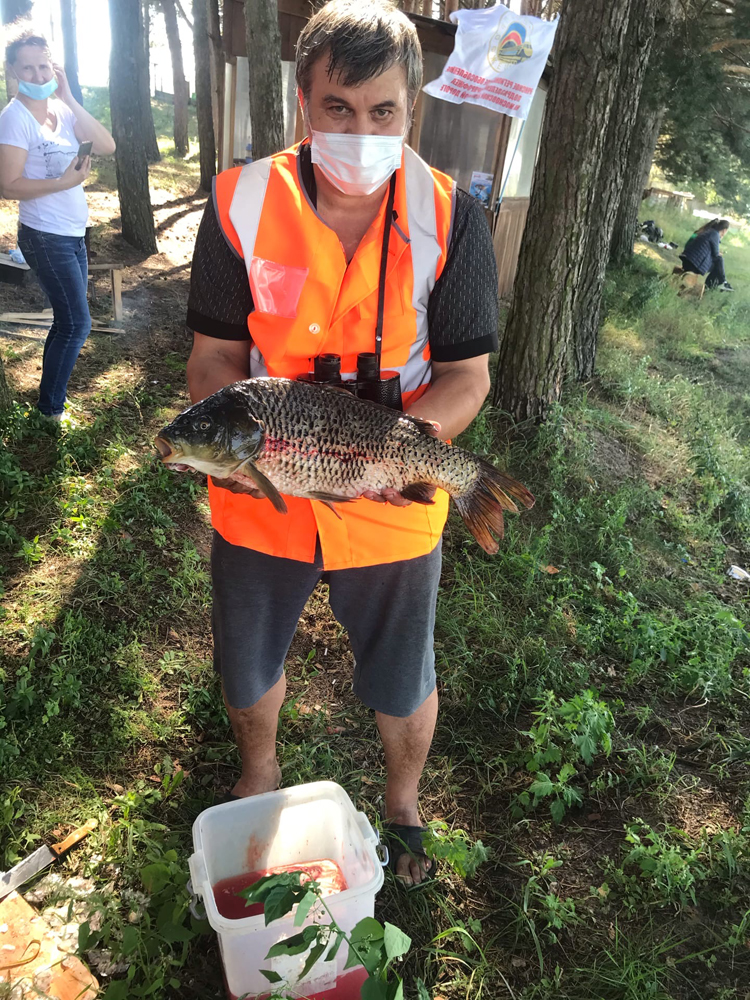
point(276, 287)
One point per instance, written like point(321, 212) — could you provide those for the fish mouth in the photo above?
point(166, 450)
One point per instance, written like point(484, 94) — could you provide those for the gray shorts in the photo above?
point(388, 611)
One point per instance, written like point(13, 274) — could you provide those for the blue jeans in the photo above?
point(61, 265)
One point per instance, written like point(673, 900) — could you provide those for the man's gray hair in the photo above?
point(362, 39)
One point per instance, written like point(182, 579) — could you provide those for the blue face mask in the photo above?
point(37, 91)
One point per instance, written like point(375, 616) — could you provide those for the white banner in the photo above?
point(497, 60)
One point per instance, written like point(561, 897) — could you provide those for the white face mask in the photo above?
point(357, 164)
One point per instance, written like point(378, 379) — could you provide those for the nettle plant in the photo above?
point(565, 735)
point(373, 945)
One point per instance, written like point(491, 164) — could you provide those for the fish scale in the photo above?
point(323, 443)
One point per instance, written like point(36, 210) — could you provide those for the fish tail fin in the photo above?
point(482, 505)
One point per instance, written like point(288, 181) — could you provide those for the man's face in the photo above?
point(33, 65)
point(376, 107)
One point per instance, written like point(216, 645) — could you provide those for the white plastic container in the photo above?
point(304, 823)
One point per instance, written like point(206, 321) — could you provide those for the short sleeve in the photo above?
point(13, 130)
point(220, 299)
point(463, 310)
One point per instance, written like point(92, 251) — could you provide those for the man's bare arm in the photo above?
point(456, 394)
point(215, 363)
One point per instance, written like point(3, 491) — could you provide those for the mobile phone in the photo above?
point(84, 150)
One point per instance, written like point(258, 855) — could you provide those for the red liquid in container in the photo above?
point(233, 907)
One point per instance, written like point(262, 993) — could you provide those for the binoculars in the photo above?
point(370, 383)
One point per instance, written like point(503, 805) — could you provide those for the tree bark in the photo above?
point(144, 82)
point(6, 397)
point(603, 205)
point(264, 59)
point(206, 137)
point(125, 96)
point(645, 135)
point(70, 46)
point(217, 69)
point(180, 86)
point(533, 351)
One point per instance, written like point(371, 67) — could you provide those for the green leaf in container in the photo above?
point(315, 953)
point(304, 907)
point(294, 945)
point(271, 976)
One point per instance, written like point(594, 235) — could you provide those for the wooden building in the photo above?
point(457, 139)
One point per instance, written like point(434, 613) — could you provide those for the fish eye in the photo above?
point(204, 425)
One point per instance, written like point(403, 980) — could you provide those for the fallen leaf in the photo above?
point(548, 569)
point(335, 730)
point(519, 963)
point(594, 816)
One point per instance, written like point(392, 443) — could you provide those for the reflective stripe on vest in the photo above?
point(308, 301)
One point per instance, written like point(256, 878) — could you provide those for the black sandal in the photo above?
point(401, 840)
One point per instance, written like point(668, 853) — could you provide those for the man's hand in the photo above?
point(390, 496)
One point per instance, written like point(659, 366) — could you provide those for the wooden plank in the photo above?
point(117, 295)
point(106, 267)
point(40, 319)
point(511, 220)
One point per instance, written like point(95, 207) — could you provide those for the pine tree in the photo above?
point(125, 96)
point(180, 87)
point(264, 59)
point(206, 137)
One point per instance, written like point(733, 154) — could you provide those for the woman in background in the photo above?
point(39, 167)
point(703, 256)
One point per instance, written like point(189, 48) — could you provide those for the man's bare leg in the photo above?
point(406, 742)
point(255, 731)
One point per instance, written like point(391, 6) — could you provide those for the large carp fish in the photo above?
point(324, 444)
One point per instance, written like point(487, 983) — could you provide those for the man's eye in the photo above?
point(383, 113)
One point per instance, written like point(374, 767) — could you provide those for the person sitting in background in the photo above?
point(703, 256)
point(39, 167)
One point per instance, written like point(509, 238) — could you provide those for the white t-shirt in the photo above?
point(64, 213)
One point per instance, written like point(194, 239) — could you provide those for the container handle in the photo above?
point(198, 872)
point(196, 908)
point(366, 828)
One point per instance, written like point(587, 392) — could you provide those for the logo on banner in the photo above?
point(510, 45)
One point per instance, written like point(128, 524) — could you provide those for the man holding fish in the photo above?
point(349, 246)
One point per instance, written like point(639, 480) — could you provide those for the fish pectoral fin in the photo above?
point(419, 493)
point(327, 498)
point(265, 486)
point(427, 427)
point(330, 506)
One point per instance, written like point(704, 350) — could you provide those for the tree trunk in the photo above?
point(641, 153)
point(603, 205)
point(537, 336)
point(264, 59)
point(126, 101)
point(206, 137)
point(180, 86)
point(217, 69)
point(70, 46)
point(6, 397)
point(144, 82)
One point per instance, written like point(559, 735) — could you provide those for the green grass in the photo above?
point(595, 720)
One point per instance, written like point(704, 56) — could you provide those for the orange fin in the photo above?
point(482, 506)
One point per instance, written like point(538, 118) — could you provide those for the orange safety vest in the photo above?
point(307, 301)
